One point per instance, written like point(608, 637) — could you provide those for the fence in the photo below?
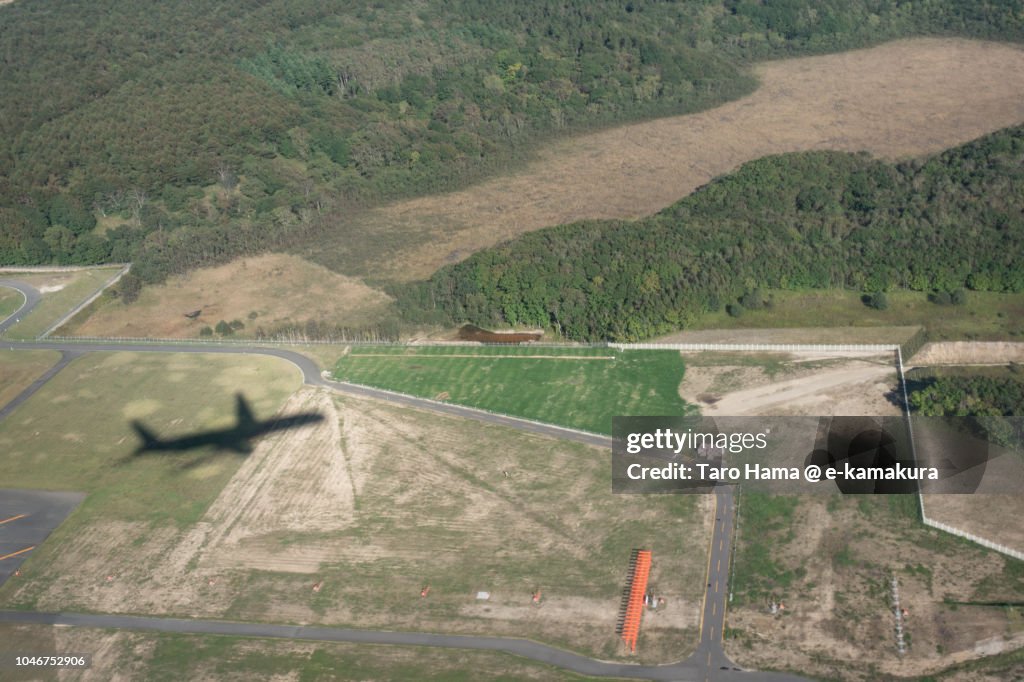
point(782, 347)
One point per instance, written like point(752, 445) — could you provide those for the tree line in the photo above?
point(131, 129)
point(815, 220)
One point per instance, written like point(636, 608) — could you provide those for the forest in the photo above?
point(814, 220)
point(990, 399)
point(174, 135)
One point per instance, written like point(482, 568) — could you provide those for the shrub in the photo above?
point(877, 300)
point(206, 331)
point(224, 329)
point(735, 310)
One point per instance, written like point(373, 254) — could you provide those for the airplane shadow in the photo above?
point(237, 438)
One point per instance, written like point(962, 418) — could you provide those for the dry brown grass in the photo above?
point(898, 100)
point(279, 288)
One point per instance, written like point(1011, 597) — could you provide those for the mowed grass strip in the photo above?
point(984, 316)
point(10, 300)
point(75, 288)
point(76, 434)
point(580, 388)
point(18, 369)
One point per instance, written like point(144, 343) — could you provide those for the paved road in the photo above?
point(32, 298)
point(709, 662)
point(684, 672)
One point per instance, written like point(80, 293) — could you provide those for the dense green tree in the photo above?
point(897, 226)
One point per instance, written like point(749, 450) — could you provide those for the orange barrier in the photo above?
point(633, 597)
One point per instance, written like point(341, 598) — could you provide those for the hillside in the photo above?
point(815, 220)
point(176, 138)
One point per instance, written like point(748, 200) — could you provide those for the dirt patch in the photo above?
point(968, 353)
point(837, 622)
point(785, 384)
point(471, 332)
point(261, 292)
point(897, 100)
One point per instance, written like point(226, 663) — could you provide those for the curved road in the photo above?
point(708, 662)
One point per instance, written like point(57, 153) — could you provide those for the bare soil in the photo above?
point(838, 624)
point(786, 384)
point(373, 503)
point(898, 100)
point(278, 288)
point(968, 353)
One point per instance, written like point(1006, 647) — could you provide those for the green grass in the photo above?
point(19, 368)
point(56, 304)
point(10, 300)
point(576, 387)
point(165, 656)
point(765, 521)
point(985, 315)
point(75, 433)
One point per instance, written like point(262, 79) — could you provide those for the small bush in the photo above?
point(940, 298)
point(206, 331)
point(236, 325)
point(735, 310)
point(224, 329)
point(877, 300)
point(958, 296)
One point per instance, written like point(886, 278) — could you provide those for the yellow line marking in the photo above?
point(718, 566)
point(13, 518)
point(709, 659)
point(714, 608)
point(716, 586)
point(711, 544)
point(20, 551)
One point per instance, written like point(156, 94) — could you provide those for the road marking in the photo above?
point(13, 518)
point(709, 659)
point(714, 608)
point(716, 586)
point(20, 551)
point(720, 541)
point(718, 566)
point(707, 573)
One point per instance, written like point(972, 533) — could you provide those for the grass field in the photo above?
point(10, 300)
point(985, 316)
point(74, 287)
point(829, 560)
point(898, 100)
point(262, 291)
point(373, 503)
point(75, 433)
point(581, 388)
point(18, 369)
point(172, 657)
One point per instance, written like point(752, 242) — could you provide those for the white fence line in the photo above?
point(59, 268)
point(795, 347)
point(932, 523)
point(1003, 549)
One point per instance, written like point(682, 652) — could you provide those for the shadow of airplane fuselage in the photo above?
point(235, 438)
